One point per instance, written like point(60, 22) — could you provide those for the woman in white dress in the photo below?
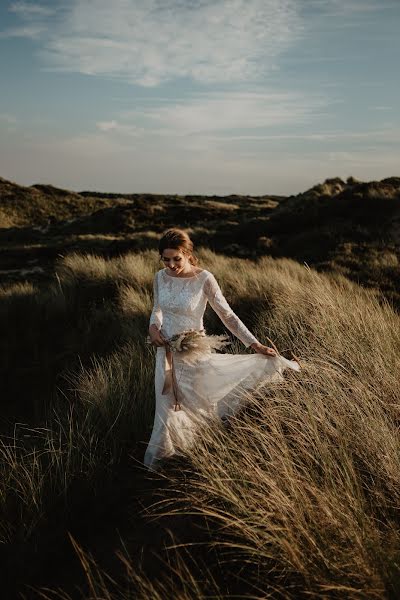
point(211, 385)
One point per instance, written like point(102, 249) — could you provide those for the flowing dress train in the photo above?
point(211, 386)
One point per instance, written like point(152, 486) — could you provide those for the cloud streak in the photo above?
point(34, 19)
point(152, 42)
point(347, 8)
point(30, 10)
point(217, 112)
point(211, 124)
point(32, 32)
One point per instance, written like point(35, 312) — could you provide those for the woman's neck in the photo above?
point(189, 273)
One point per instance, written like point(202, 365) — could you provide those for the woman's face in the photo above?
point(175, 260)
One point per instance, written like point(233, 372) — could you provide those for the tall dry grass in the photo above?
point(304, 486)
point(83, 340)
point(176, 580)
point(300, 493)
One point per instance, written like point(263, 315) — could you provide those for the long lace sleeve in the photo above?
point(156, 313)
point(219, 303)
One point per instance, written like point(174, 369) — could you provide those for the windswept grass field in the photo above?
point(297, 498)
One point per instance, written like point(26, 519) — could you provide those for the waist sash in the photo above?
point(170, 383)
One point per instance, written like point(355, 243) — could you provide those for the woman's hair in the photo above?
point(178, 240)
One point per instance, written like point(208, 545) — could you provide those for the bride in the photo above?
point(185, 391)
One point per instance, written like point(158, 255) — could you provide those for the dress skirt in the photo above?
point(210, 387)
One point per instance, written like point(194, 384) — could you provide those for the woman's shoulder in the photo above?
point(208, 279)
point(201, 271)
point(205, 275)
point(208, 274)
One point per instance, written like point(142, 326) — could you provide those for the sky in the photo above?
point(205, 97)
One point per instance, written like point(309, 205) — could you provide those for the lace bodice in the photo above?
point(180, 302)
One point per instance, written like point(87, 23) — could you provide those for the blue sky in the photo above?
point(198, 96)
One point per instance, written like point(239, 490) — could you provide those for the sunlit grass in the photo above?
point(300, 490)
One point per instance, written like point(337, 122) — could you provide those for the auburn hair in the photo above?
point(177, 239)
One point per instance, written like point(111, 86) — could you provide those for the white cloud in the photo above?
point(380, 108)
point(29, 9)
point(342, 8)
point(216, 112)
point(107, 125)
point(34, 17)
point(381, 135)
point(27, 31)
point(124, 128)
point(177, 134)
point(152, 42)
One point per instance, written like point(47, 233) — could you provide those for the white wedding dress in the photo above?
point(210, 387)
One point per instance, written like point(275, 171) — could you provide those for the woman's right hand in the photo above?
point(156, 337)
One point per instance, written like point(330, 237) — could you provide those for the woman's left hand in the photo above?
point(261, 349)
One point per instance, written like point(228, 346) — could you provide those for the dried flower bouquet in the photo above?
point(193, 344)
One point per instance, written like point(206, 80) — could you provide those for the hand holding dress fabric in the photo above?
point(261, 349)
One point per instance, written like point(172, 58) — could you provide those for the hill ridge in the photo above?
point(350, 226)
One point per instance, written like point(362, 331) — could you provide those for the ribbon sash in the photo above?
point(170, 383)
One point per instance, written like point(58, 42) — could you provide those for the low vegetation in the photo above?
point(297, 497)
point(350, 227)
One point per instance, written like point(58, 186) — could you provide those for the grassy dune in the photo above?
point(38, 205)
point(351, 227)
point(297, 497)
